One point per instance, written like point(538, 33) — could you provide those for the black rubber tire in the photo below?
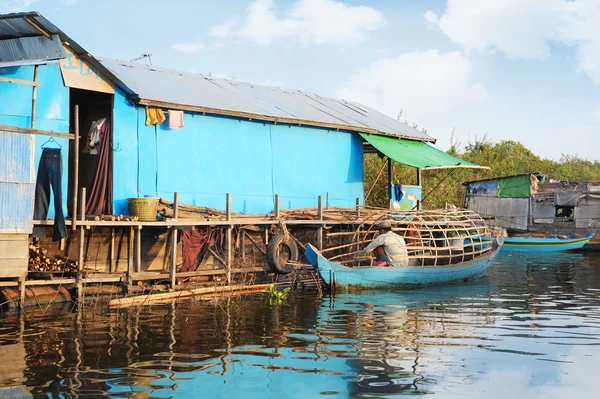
point(276, 244)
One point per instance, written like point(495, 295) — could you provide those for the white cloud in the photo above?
point(225, 29)
point(308, 21)
point(189, 48)
point(8, 6)
point(525, 29)
point(420, 83)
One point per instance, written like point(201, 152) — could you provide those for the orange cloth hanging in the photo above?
point(154, 116)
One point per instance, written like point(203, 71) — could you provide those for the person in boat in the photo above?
point(389, 247)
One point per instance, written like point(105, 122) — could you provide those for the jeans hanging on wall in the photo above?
point(50, 174)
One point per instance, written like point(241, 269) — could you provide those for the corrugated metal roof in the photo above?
point(40, 48)
point(181, 90)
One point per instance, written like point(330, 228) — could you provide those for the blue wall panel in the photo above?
point(311, 162)
point(125, 158)
point(52, 109)
point(212, 156)
point(148, 156)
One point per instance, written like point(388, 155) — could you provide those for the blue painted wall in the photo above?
point(52, 110)
point(212, 156)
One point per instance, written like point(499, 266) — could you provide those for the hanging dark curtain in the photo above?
point(195, 246)
point(100, 197)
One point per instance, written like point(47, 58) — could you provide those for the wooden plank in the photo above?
point(13, 250)
point(80, 74)
point(38, 28)
point(57, 281)
point(262, 117)
point(13, 268)
point(14, 237)
point(24, 130)
point(160, 276)
point(20, 81)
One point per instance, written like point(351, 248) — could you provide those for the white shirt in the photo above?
point(393, 246)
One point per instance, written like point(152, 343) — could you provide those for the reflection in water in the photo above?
point(530, 328)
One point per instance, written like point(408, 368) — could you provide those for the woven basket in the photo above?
point(144, 208)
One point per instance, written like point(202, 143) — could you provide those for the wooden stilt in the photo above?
point(173, 269)
point(277, 205)
point(320, 230)
point(81, 257)
point(130, 251)
point(138, 249)
point(243, 244)
point(22, 293)
point(391, 181)
point(229, 257)
point(112, 251)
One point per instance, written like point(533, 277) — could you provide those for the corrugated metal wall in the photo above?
point(17, 182)
point(511, 213)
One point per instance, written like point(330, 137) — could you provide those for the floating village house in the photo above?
point(220, 136)
point(527, 203)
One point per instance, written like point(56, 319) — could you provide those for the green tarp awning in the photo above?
point(416, 153)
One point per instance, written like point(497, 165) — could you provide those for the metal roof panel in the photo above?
point(175, 87)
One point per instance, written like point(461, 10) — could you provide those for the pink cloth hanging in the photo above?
point(175, 119)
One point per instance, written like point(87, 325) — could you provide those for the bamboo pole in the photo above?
point(228, 238)
point(34, 96)
point(153, 298)
point(80, 258)
point(277, 205)
point(173, 269)
point(75, 169)
point(320, 230)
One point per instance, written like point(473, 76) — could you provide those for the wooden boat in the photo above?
point(545, 244)
point(338, 276)
point(440, 245)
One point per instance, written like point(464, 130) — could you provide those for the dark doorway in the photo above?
point(93, 106)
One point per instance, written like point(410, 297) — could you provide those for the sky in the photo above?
point(521, 70)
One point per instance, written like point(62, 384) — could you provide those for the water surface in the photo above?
point(530, 328)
